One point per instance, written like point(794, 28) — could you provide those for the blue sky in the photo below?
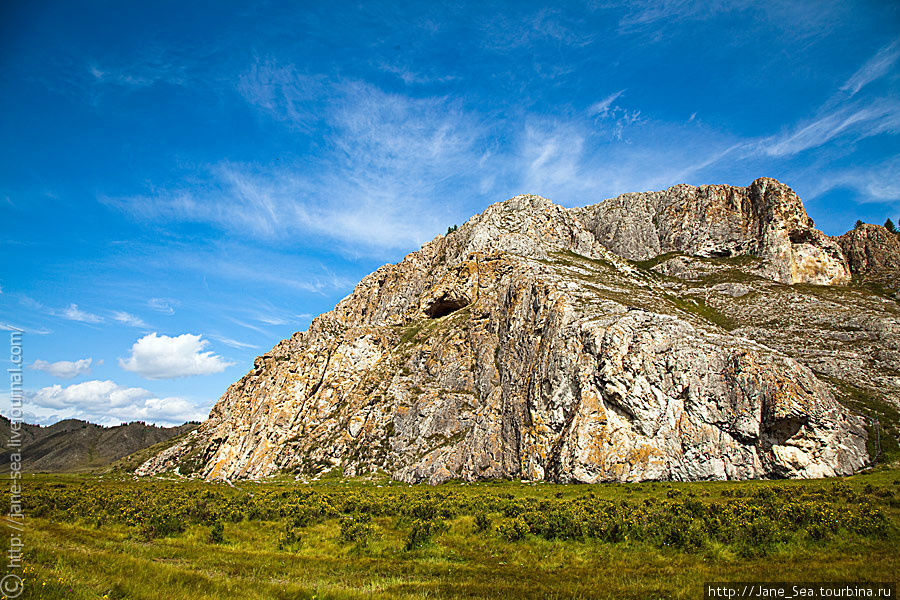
point(182, 184)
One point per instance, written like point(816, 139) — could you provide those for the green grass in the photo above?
point(411, 331)
point(700, 308)
point(652, 262)
point(88, 538)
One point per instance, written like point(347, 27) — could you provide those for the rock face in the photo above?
point(766, 219)
point(526, 344)
point(873, 254)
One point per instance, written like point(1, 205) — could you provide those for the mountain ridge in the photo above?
point(73, 445)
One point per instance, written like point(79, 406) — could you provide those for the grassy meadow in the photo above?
point(115, 537)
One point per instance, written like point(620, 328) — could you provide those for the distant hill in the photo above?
point(74, 445)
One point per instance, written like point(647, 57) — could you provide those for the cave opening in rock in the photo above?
point(721, 253)
point(802, 236)
point(443, 308)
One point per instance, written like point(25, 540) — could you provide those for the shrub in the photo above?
point(759, 536)
point(683, 533)
point(514, 529)
point(162, 524)
point(357, 528)
point(482, 522)
point(304, 516)
point(422, 532)
point(217, 533)
point(291, 537)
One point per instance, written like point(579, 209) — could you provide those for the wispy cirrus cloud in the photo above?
point(70, 313)
point(73, 313)
point(844, 115)
point(389, 161)
point(163, 305)
point(546, 25)
point(643, 14)
point(234, 343)
point(602, 108)
point(243, 323)
point(797, 18)
point(875, 68)
point(269, 320)
point(854, 122)
point(388, 156)
point(129, 319)
point(874, 183)
point(34, 330)
point(282, 92)
point(410, 76)
point(153, 64)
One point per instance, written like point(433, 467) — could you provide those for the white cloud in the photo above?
point(105, 403)
point(92, 393)
point(875, 67)
point(129, 319)
point(73, 313)
point(64, 369)
point(163, 357)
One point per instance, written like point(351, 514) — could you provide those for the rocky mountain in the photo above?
point(695, 333)
point(74, 445)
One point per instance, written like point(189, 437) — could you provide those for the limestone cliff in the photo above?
point(873, 254)
point(530, 344)
point(766, 219)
